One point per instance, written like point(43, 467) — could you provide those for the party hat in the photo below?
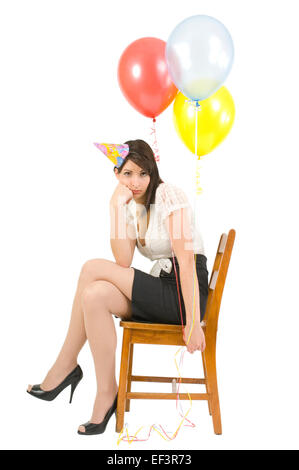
point(115, 152)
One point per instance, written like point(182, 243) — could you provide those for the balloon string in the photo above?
point(154, 427)
point(154, 145)
point(198, 188)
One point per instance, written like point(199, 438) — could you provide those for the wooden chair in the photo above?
point(150, 333)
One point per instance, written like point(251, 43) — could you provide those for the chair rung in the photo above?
point(185, 380)
point(166, 396)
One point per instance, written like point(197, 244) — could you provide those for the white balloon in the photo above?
point(199, 56)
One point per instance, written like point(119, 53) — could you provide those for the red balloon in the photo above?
point(143, 76)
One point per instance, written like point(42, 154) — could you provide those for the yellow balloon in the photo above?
point(215, 119)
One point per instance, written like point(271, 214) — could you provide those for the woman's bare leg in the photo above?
point(100, 299)
point(92, 270)
point(74, 341)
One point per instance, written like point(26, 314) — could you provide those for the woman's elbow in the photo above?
point(124, 264)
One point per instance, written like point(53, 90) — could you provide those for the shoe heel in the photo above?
point(73, 388)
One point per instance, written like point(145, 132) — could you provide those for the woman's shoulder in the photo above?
point(169, 191)
point(166, 187)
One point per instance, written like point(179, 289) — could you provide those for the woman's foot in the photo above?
point(55, 376)
point(103, 402)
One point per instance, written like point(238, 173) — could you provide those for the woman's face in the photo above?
point(136, 179)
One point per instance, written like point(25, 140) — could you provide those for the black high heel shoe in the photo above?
point(72, 379)
point(93, 428)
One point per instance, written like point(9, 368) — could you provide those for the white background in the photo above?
point(59, 94)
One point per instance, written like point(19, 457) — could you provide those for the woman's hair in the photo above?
point(142, 155)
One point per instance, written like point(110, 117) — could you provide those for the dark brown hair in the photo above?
point(142, 155)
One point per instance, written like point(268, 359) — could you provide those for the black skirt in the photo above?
point(155, 299)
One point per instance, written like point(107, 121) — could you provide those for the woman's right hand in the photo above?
point(197, 341)
point(121, 196)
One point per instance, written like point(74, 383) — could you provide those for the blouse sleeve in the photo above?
point(129, 215)
point(171, 198)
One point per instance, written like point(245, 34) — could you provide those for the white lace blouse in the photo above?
point(157, 241)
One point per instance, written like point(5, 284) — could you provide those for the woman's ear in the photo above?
point(116, 173)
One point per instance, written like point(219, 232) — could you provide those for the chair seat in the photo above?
point(154, 326)
point(155, 333)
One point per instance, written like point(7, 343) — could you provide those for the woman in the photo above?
point(156, 217)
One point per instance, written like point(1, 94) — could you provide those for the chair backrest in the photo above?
point(217, 281)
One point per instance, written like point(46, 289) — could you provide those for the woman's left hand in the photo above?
point(197, 340)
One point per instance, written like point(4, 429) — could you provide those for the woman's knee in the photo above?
point(94, 294)
point(88, 268)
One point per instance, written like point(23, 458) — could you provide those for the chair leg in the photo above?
point(210, 361)
point(122, 386)
point(207, 385)
point(129, 380)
